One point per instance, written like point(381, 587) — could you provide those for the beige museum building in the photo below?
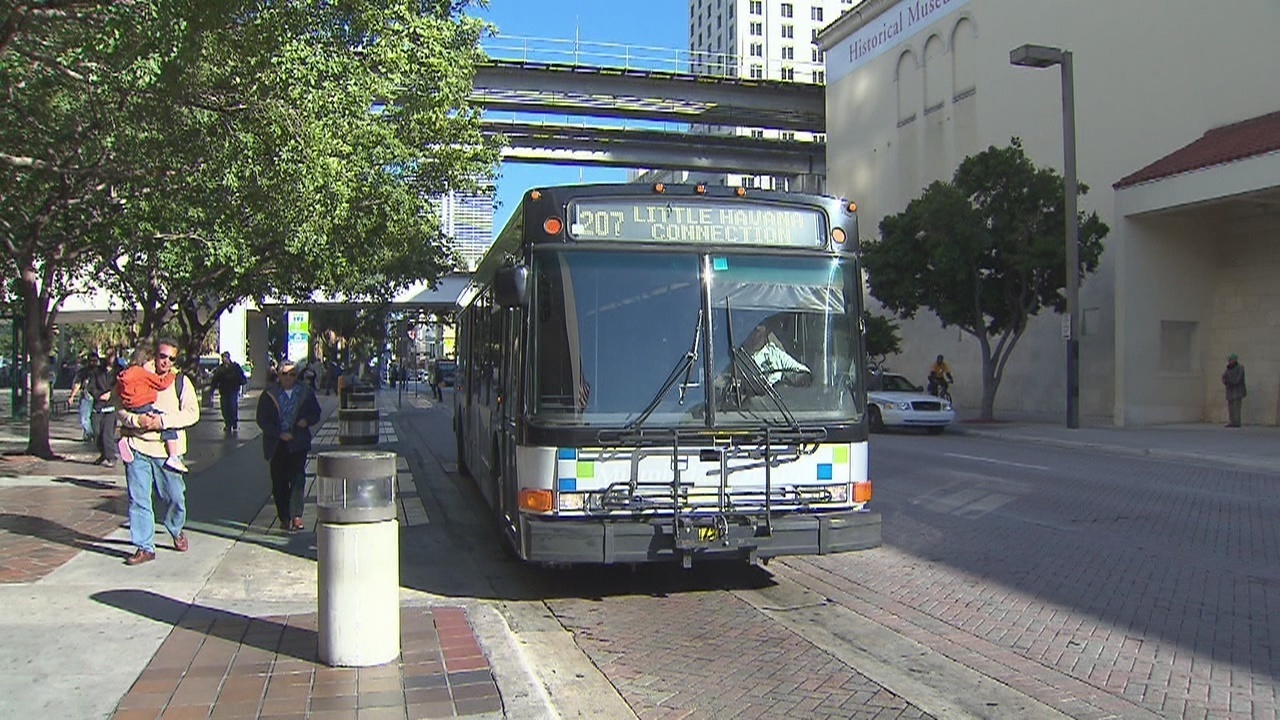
point(1177, 107)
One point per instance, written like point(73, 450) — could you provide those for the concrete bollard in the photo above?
point(358, 548)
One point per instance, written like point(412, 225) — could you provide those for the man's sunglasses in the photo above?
point(162, 356)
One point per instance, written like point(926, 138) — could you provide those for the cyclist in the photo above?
point(939, 377)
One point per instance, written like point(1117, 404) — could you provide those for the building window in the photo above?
point(757, 28)
point(757, 49)
point(788, 73)
point(817, 55)
point(819, 77)
point(788, 135)
point(757, 134)
point(788, 52)
point(816, 13)
point(757, 72)
point(788, 31)
point(757, 7)
point(786, 9)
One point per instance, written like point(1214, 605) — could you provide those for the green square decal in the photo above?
point(586, 470)
point(840, 455)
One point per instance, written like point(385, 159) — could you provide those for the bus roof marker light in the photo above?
point(700, 188)
point(740, 191)
point(659, 188)
point(535, 194)
point(852, 207)
point(552, 226)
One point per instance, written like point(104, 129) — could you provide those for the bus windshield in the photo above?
point(620, 338)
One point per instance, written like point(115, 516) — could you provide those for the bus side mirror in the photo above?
point(511, 286)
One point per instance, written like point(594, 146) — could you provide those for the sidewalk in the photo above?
point(227, 630)
point(1249, 447)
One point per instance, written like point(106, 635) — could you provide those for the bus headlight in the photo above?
point(571, 501)
point(824, 493)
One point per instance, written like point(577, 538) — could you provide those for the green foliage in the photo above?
point(882, 335)
point(984, 252)
point(191, 155)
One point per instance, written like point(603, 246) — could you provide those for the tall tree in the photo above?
point(984, 252)
point(192, 155)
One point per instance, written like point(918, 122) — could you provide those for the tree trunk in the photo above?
point(988, 388)
point(36, 309)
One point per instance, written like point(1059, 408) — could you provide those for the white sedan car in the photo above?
point(892, 401)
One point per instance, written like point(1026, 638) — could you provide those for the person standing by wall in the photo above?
point(287, 410)
point(227, 379)
point(146, 472)
point(1233, 381)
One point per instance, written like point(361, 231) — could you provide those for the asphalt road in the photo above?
point(1015, 581)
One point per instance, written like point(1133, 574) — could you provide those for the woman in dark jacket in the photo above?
point(286, 413)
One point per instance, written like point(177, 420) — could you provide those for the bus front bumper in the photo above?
point(588, 540)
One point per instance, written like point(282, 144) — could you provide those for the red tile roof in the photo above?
point(1229, 143)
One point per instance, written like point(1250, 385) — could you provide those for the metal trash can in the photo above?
point(361, 400)
point(358, 553)
point(358, 426)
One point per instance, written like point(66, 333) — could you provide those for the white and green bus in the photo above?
point(668, 373)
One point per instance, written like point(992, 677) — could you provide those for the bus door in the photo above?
point(512, 379)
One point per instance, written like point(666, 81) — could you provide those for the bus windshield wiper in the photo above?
point(760, 384)
point(683, 365)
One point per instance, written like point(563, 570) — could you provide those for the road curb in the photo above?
point(1116, 449)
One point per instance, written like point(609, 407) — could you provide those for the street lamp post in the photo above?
point(1041, 56)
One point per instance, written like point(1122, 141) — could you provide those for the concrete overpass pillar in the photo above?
point(231, 332)
point(809, 183)
point(256, 324)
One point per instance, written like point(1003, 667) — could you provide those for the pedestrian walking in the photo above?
point(437, 382)
point(80, 394)
point(146, 472)
point(100, 386)
point(287, 410)
point(1233, 381)
point(227, 379)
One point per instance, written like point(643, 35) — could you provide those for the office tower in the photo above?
point(466, 219)
point(759, 40)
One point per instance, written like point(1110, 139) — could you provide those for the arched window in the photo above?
point(908, 81)
point(936, 72)
point(964, 40)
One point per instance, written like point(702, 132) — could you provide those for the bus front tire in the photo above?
point(877, 422)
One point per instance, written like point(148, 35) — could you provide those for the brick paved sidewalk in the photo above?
point(44, 526)
point(216, 664)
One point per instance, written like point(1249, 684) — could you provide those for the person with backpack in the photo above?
point(227, 379)
point(147, 473)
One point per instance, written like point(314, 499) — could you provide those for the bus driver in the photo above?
point(775, 363)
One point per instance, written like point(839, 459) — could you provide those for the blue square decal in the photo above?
point(567, 454)
point(567, 484)
point(824, 471)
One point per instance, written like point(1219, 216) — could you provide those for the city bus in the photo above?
point(668, 373)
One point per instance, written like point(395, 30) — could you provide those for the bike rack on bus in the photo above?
point(698, 524)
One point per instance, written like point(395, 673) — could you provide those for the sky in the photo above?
point(652, 23)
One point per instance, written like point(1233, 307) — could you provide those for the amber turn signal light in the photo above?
point(539, 501)
point(861, 491)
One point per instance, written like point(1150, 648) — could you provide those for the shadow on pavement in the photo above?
point(53, 532)
point(262, 633)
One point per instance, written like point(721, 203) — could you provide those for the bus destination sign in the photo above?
point(698, 223)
